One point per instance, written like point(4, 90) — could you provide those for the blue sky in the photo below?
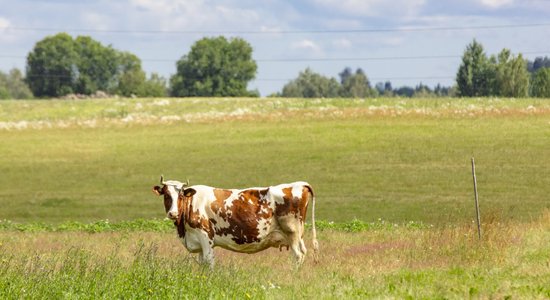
point(379, 36)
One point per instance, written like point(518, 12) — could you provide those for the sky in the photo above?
point(406, 42)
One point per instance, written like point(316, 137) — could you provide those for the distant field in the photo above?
point(390, 159)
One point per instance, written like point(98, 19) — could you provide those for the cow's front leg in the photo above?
point(206, 257)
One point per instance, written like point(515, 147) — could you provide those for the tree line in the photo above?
point(59, 65)
point(505, 74)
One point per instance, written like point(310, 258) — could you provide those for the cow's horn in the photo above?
point(162, 179)
point(186, 183)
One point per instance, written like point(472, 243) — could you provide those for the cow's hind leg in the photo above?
point(298, 248)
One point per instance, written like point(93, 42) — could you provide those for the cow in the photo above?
point(241, 220)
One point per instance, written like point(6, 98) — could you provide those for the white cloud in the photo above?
point(196, 14)
point(496, 3)
point(342, 43)
point(4, 23)
point(157, 7)
point(96, 21)
point(7, 35)
point(372, 8)
point(308, 45)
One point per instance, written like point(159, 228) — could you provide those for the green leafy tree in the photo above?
point(355, 85)
point(312, 85)
point(155, 86)
point(52, 66)
point(96, 65)
point(59, 65)
point(540, 86)
point(476, 72)
point(130, 76)
point(13, 86)
point(539, 62)
point(215, 67)
point(511, 75)
point(423, 91)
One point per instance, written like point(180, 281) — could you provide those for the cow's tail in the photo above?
point(313, 230)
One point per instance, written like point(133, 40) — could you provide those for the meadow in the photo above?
point(392, 178)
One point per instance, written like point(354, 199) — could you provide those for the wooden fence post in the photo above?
point(476, 200)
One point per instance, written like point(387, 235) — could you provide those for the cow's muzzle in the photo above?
point(172, 215)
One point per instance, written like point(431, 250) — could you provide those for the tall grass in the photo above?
point(511, 261)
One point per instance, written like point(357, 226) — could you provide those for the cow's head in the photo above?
point(173, 192)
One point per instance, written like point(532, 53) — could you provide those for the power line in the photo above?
point(275, 32)
point(326, 59)
point(63, 76)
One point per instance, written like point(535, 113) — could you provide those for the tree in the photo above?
point(130, 77)
point(423, 91)
point(96, 66)
point(405, 91)
point(539, 62)
point(355, 85)
point(441, 91)
point(345, 74)
point(541, 83)
point(311, 85)
point(215, 67)
point(511, 75)
point(155, 86)
point(475, 72)
point(52, 66)
point(59, 65)
point(13, 86)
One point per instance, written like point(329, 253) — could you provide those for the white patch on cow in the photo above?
point(276, 195)
point(193, 239)
point(297, 191)
point(264, 227)
point(202, 200)
point(173, 190)
point(264, 209)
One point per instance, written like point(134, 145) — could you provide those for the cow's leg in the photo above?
point(303, 247)
point(207, 253)
point(296, 247)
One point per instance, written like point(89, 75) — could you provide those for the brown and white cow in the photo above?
point(247, 220)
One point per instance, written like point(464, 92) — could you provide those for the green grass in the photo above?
point(392, 179)
point(364, 160)
point(157, 225)
point(511, 261)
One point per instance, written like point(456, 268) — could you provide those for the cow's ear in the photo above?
point(189, 192)
point(157, 190)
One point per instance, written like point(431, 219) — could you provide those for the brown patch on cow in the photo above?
point(293, 205)
point(180, 222)
point(157, 190)
point(222, 194)
point(192, 217)
point(218, 206)
point(167, 198)
point(247, 210)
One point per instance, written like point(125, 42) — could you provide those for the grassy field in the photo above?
point(511, 262)
point(402, 167)
point(406, 160)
